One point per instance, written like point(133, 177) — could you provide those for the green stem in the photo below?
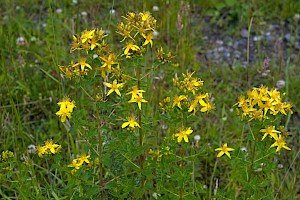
point(250, 169)
point(100, 154)
point(248, 46)
point(141, 158)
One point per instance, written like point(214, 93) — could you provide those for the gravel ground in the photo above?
point(276, 40)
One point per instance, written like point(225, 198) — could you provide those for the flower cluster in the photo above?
point(48, 148)
point(78, 162)
point(164, 57)
point(188, 84)
point(5, 155)
point(137, 31)
point(278, 136)
point(164, 104)
point(158, 154)
point(76, 69)
point(261, 102)
point(66, 108)
point(137, 96)
point(190, 96)
point(88, 40)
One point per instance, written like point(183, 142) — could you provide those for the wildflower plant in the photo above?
point(118, 86)
point(262, 110)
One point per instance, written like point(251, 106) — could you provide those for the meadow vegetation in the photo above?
point(116, 100)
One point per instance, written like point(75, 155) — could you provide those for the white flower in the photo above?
point(112, 12)
point(197, 138)
point(244, 149)
point(280, 84)
point(155, 8)
point(59, 10)
point(84, 14)
point(31, 149)
point(20, 41)
point(155, 34)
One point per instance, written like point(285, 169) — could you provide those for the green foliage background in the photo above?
point(31, 85)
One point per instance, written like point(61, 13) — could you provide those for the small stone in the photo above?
point(257, 38)
point(269, 37)
point(219, 42)
point(220, 49)
point(227, 54)
point(209, 55)
point(236, 44)
point(288, 37)
point(237, 54)
point(297, 45)
point(244, 33)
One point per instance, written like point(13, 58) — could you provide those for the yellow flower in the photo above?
point(75, 163)
point(145, 16)
point(131, 123)
point(86, 35)
point(206, 106)
point(270, 130)
point(224, 149)
point(41, 150)
point(53, 148)
point(136, 92)
point(178, 99)
point(83, 64)
point(193, 106)
point(78, 162)
point(109, 61)
point(183, 134)
point(114, 87)
point(84, 158)
point(148, 39)
point(94, 43)
point(66, 108)
point(48, 148)
point(6, 154)
point(130, 47)
point(280, 143)
point(139, 100)
point(241, 101)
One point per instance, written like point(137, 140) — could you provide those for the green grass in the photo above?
point(31, 86)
